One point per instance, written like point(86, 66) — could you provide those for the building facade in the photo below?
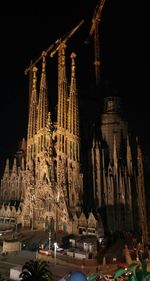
point(45, 181)
point(44, 187)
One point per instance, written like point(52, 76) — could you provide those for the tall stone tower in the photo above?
point(68, 137)
point(116, 169)
point(112, 124)
point(49, 185)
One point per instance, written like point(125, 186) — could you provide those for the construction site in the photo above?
point(79, 170)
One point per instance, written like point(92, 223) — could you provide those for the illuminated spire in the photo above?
point(50, 129)
point(129, 158)
point(73, 111)
point(23, 164)
point(14, 168)
point(33, 107)
point(23, 145)
point(62, 89)
point(43, 100)
point(49, 123)
point(6, 172)
point(62, 103)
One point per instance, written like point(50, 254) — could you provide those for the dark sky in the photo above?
point(26, 31)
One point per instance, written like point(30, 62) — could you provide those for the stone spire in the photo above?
point(23, 164)
point(23, 145)
point(50, 128)
point(6, 171)
point(14, 168)
point(115, 157)
point(73, 145)
point(32, 121)
point(73, 117)
point(62, 118)
point(129, 158)
point(62, 91)
point(96, 157)
point(73, 111)
point(62, 121)
point(141, 195)
point(33, 107)
point(43, 100)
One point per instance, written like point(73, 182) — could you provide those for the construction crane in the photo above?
point(55, 46)
point(95, 29)
point(65, 38)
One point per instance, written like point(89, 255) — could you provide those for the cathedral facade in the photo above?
point(45, 185)
point(45, 179)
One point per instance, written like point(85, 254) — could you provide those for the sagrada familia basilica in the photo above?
point(47, 183)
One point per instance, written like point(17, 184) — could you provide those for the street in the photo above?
point(11, 260)
point(58, 267)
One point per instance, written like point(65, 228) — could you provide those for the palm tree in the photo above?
point(36, 270)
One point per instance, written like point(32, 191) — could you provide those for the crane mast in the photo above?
point(97, 54)
point(95, 29)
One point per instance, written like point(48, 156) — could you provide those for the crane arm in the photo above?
point(55, 46)
point(40, 57)
point(65, 38)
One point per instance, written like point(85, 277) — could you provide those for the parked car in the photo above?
point(45, 252)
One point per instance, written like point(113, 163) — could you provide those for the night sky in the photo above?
point(26, 31)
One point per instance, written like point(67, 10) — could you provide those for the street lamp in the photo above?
point(49, 240)
point(55, 247)
point(32, 202)
point(57, 199)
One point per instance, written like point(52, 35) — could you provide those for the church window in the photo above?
point(70, 150)
point(66, 146)
point(31, 151)
point(5, 195)
point(7, 220)
point(62, 143)
point(74, 151)
point(41, 143)
point(59, 142)
point(34, 149)
point(44, 141)
point(13, 195)
point(73, 197)
point(77, 153)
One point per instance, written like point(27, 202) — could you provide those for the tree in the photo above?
point(37, 270)
point(135, 271)
point(65, 240)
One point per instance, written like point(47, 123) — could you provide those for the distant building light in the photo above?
point(100, 239)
